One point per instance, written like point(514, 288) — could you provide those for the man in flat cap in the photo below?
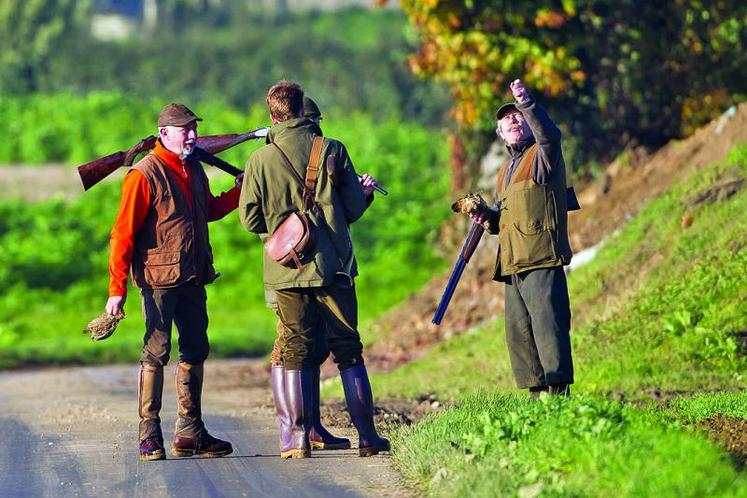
point(161, 236)
point(531, 223)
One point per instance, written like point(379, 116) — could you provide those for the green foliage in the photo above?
point(30, 31)
point(350, 59)
point(615, 73)
point(66, 128)
point(496, 445)
point(55, 253)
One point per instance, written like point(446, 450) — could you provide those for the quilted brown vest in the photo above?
point(172, 247)
point(533, 223)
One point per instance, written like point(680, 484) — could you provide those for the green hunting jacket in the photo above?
point(270, 192)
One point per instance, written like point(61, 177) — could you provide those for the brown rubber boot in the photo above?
point(319, 437)
point(297, 385)
point(190, 436)
point(150, 391)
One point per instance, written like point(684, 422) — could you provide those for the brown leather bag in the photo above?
point(294, 240)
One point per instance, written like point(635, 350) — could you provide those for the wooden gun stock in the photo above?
point(93, 172)
point(470, 244)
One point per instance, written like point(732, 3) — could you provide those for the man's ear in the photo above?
point(274, 119)
point(163, 132)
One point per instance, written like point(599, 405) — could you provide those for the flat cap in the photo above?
point(310, 109)
point(505, 109)
point(176, 115)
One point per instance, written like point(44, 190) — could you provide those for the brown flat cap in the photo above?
point(176, 115)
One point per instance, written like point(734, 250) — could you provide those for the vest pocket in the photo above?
point(528, 249)
point(162, 268)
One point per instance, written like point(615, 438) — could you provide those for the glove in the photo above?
point(102, 326)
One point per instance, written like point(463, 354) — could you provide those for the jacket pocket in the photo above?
point(162, 268)
point(532, 207)
point(528, 249)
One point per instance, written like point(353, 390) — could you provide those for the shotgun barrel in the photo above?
point(470, 244)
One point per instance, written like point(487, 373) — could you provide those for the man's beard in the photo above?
point(185, 152)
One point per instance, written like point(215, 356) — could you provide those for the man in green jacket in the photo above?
point(531, 223)
point(319, 437)
point(323, 288)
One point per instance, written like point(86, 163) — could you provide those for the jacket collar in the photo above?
point(291, 127)
point(519, 147)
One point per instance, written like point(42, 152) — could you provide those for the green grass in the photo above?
point(661, 308)
point(501, 445)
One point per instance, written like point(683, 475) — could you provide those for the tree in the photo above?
point(617, 73)
point(29, 32)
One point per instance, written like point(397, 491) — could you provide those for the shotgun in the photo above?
point(470, 244)
point(93, 172)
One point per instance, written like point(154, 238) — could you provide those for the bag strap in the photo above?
point(312, 170)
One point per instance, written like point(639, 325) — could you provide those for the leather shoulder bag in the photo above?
point(294, 240)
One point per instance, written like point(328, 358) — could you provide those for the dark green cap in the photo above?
point(310, 109)
point(505, 109)
point(176, 115)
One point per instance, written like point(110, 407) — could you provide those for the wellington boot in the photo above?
point(319, 437)
point(150, 392)
point(359, 399)
point(281, 404)
point(297, 385)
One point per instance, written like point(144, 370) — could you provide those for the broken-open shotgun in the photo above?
point(473, 238)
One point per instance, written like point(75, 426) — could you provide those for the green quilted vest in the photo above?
point(533, 222)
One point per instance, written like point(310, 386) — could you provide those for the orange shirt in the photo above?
point(134, 206)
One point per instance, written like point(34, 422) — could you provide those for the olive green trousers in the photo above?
point(538, 323)
point(301, 310)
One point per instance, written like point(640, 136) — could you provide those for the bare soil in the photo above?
point(730, 433)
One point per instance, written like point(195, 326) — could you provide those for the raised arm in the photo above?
point(545, 132)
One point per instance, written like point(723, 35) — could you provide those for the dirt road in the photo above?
point(73, 432)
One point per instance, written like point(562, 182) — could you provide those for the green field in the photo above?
point(660, 311)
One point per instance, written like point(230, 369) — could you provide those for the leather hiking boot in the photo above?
point(150, 391)
point(297, 384)
point(319, 437)
point(188, 399)
point(203, 444)
point(190, 436)
point(281, 404)
point(151, 448)
point(359, 399)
